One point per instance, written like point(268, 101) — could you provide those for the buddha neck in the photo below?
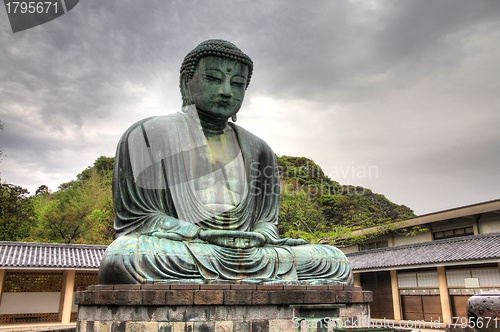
point(212, 125)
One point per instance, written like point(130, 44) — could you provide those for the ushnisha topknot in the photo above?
point(218, 48)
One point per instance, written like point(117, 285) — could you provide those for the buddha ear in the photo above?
point(185, 91)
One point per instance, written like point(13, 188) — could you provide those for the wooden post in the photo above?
point(396, 299)
point(2, 279)
point(444, 294)
point(66, 301)
point(390, 240)
point(357, 279)
point(475, 224)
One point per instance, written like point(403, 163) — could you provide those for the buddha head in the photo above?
point(214, 77)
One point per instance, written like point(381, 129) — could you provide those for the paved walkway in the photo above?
point(58, 326)
point(408, 325)
point(35, 327)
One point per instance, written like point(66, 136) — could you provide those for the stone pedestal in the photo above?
point(220, 307)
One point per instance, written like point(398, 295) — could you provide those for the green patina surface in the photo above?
point(197, 197)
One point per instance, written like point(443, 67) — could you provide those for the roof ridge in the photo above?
point(477, 248)
point(50, 255)
point(427, 243)
point(456, 208)
point(47, 244)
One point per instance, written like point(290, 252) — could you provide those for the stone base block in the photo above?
point(220, 307)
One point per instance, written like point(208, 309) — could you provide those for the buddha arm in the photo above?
point(143, 204)
point(171, 229)
point(161, 225)
point(270, 233)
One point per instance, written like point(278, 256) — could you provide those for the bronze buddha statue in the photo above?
point(197, 197)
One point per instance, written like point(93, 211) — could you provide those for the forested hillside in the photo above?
point(313, 207)
point(321, 210)
point(80, 211)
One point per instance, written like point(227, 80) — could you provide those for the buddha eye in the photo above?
point(211, 78)
point(238, 84)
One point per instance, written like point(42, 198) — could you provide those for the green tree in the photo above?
point(16, 212)
point(102, 166)
point(60, 217)
point(81, 211)
point(300, 217)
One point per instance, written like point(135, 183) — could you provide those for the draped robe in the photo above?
point(159, 214)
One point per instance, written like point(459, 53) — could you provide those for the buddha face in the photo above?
point(218, 86)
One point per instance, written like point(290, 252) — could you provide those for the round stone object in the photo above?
point(483, 310)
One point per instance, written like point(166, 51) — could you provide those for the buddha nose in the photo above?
point(225, 89)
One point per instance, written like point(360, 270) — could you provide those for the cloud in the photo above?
point(408, 87)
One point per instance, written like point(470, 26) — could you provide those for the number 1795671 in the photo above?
point(31, 7)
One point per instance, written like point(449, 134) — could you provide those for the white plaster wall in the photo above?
point(489, 225)
point(400, 240)
point(347, 250)
point(33, 302)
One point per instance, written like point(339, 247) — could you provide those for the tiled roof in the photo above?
point(51, 255)
point(460, 249)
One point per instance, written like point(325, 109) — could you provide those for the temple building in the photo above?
point(431, 275)
point(37, 281)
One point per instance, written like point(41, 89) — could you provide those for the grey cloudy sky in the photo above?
point(402, 97)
